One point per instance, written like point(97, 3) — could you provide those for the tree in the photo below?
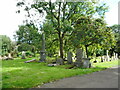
point(116, 30)
point(29, 35)
point(90, 31)
point(61, 13)
point(5, 44)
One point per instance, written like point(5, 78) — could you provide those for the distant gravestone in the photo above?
point(86, 63)
point(107, 57)
point(69, 58)
point(102, 59)
point(79, 56)
point(60, 61)
point(0, 57)
point(116, 56)
point(23, 55)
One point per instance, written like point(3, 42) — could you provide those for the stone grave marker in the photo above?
point(86, 63)
point(79, 56)
point(69, 58)
point(107, 57)
point(23, 55)
point(116, 56)
point(60, 61)
point(0, 57)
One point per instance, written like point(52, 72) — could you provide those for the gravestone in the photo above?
point(107, 57)
point(1, 57)
point(10, 57)
point(79, 56)
point(69, 58)
point(86, 63)
point(43, 52)
point(23, 55)
point(116, 56)
point(60, 61)
point(102, 59)
point(33, 60)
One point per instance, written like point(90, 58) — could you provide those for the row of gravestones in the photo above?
point(9, 57)
point(107, 57)
point(81, 59)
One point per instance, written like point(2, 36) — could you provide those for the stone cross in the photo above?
point(69, 58)
point(43, 52)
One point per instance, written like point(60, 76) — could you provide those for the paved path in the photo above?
point(104, 79)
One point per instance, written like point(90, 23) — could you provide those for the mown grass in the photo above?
point(17, 74)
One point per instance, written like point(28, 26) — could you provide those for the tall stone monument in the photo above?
point(69, 58)
point(43, 52)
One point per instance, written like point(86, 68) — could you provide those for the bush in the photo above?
point(29, 53)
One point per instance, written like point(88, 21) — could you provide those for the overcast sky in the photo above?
point(9, 20)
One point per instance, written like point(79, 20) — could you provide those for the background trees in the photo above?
point(5, 44)
point(70, 25)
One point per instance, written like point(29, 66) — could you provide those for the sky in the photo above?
point(9, 20)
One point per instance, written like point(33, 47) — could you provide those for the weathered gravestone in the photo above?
point(79, 56)
point(23, 55)
point(116, 56)
point(69, 58)
point(107, 57)
point(33, 60)
point(60, 61)
point(86, 63)
point(43, 52)
point(102, 58)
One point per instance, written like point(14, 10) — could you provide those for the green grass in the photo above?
point(17, 74)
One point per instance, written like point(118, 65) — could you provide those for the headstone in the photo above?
point(43, 52)
point(0, 57)
point(116, 56)
point(69, 58)
point(108, 58)
point(60, 61)
point(79, 56)
point(33, 60)
point(86, 63)
point(102, 59)
point(5, 58)
point(23, 55)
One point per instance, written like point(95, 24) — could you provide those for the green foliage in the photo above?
point(28, 34)
point(60, 19)
point(5, 44)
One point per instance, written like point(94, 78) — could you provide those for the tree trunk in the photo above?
point(61, 46)
point(86, 50)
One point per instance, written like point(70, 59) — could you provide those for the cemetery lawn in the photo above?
point(17, 74)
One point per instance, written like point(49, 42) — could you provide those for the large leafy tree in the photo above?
point(90, 31)
point(61, 14)
point(29, 34)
